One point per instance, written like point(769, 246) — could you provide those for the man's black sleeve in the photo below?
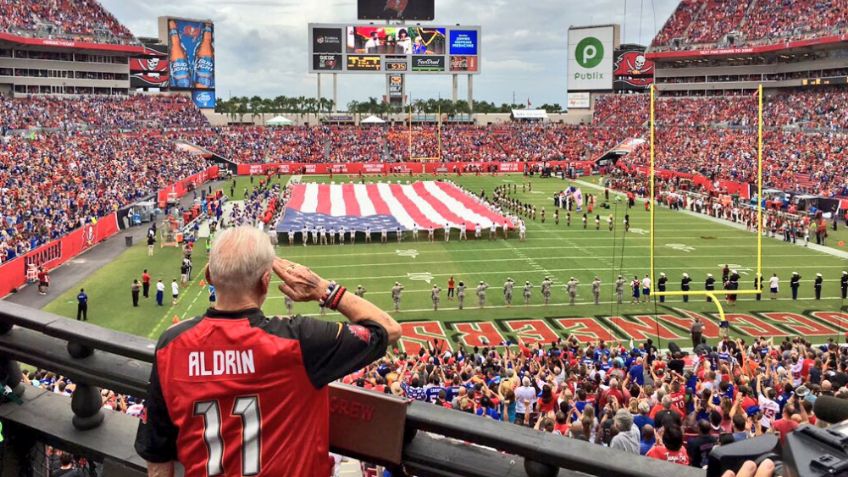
point(156, 439)
point(334, 350)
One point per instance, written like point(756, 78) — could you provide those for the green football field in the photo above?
point(683, 243)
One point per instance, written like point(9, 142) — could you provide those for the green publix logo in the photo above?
point(589, 53)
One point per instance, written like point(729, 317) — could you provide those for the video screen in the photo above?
point(396, 40)
point(463, 42)
point(396, 10)
point(191, 54)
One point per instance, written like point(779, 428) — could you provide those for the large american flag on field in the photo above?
point(429, 204)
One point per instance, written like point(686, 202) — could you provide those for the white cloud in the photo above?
point(261, 44)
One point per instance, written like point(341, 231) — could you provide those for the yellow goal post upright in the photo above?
point(653, 202)
point(438, 157)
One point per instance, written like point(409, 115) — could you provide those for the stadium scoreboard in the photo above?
point(404, 49)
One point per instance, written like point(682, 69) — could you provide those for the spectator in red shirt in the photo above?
point(671, 447)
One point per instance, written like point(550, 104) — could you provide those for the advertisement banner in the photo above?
point(395, 86)
point(590, 58)
point(428, 63)
point(327, 62)
point(153, 64)
point(463, 63)
point(203, 99)
point(142, 80)
point(632, 71)
point(396, 10)
point(192, 54)
point(55, 253)
point(405, 167)
point(463, 42)
point(578, 100)
point(364, 63)
point(326, 40)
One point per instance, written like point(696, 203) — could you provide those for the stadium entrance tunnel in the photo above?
point(411, 438)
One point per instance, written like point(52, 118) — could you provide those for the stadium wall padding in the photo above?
point(13, 274)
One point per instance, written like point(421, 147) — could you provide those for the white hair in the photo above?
point(238, 259)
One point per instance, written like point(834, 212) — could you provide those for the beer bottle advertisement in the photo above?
point(192, 54)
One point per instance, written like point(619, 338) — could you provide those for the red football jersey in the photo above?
point(238, 394)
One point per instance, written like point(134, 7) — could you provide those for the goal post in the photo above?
point(653, 202)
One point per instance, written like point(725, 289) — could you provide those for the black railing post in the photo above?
point(87, 406)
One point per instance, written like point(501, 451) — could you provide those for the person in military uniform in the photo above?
point(507, 291)
point(758, 283)
point(596, 290)
point(460, 294)
point(481, 294)
point(817, 285)
point(661, 285)
point(571, 288)
point(360, 291)
point(434, 295)
point(794, 283)
point(546, 289)
point(396, 291)
point(684, 286)
point(619, 289)
point(709, 285)
point(732, 284)
point(527, 289)
point(843, 282)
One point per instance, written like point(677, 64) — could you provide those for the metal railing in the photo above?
point(413, 438)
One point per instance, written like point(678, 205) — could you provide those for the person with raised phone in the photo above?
point(234, 392)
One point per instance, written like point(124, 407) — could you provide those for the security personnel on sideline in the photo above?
point(434, 295)
point(481, 294)
point(571, 288)
point(546, 289)
point(844, 284)
point(684, 286)
point(619, 289)
point(661, 284)
point(527, 288)
point(507, 291)
point(709, 285)
point(794, 284)
point(596, 290)
point(460, 294)
point(817, 285)
point(82, 306)
point(396, 291)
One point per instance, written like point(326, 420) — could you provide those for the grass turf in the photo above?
point(683, 243)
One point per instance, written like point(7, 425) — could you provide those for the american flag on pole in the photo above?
point(428, 204)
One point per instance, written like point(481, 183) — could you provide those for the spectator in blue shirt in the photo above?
point(643, 418)
point(648, 439)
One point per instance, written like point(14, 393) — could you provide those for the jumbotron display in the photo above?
point(421, 10)
point(342, 48)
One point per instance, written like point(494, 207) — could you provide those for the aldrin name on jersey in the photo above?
point(220, 363)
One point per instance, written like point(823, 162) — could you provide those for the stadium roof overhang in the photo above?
point(79, 46)
point(830, 41)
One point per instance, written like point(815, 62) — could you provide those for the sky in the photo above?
point(261, 45)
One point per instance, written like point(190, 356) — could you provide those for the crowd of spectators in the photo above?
point(757, 21)
point(99, 112)
point(52, 183)
point(675, 406)
point(67, 19)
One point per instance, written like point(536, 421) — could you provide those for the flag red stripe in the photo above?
point(473, 205)
point(351, 204)
point(323, 206)
point(411, 209)
point(297, 196)
point(438, 206)
point(380, 206)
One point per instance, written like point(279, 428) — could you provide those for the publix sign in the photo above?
point(590, 58)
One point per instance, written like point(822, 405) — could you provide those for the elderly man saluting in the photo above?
point(234, 392)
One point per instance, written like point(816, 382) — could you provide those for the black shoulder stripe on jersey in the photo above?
point(176, 330)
